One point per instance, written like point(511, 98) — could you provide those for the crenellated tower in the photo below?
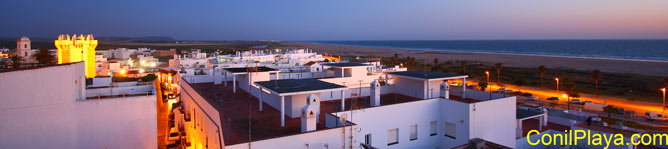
point(77, 49)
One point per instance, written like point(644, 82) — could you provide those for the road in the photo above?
point(640, 107)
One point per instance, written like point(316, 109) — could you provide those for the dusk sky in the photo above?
point(340, 20)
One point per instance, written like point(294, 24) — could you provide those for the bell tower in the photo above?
point(23, 47)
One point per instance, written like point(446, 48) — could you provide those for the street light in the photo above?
point(490, 86)
point(664, 97)
point(557, 79)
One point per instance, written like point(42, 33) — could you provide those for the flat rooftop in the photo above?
point(332, 106)
point(301, 86)
point(523, 113)
point(345, 64)
point(246, 69)
point(427, 75)
point(240, 107)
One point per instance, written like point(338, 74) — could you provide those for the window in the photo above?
point(450, 130)
point(413, 132)
point(393, 136)
point(432, 128)
point(367, 139)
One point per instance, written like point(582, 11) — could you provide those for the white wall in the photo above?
point(319, 139)
point(143, 89)
point(39, 109)
point(411, 87)
point(489, 120)
point(205, 119)
point(378, 120)
point(494, 120)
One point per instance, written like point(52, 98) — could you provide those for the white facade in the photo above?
point(491, 120)
point(46, 108)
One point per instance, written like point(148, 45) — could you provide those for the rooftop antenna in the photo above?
point(250, 107)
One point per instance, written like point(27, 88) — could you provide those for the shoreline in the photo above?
point(501, 53)
point(617, 65)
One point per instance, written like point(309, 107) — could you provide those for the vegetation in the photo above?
point(609, 109)
point(43, 57)
point(463, 67)
point(541, 71)
point(148, 78)
point(519, 82)
point(596, 76)
point(436, 66)
point(482, 83)
point(16, 61)
point(497, 66)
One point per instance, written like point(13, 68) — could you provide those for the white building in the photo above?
point(383, 116)
point(50, 107)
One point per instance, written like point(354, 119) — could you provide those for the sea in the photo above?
point(646, 50)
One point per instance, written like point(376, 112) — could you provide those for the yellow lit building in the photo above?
point(77, 49)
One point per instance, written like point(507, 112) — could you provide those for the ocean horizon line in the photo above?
point(506, 52)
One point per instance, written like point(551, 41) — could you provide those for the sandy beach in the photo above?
point(655, 68)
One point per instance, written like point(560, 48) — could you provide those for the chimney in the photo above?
point(445, 90)
point(310, 113)
point(375, 93)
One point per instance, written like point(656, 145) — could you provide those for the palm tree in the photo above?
point(541, 70)
point(16, 61)
point(43, 57)
point(482, 83)
point(569, 87)
point(498, 72)
point(463, 67)
point(665, 81)
point(519, 82)
point(596, 75)
point(394, 59)
point(609, 109)
point(3, 64)
point(435, 67)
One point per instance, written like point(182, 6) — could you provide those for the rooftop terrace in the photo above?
point(267, 124)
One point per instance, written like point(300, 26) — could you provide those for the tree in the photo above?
point(609, 109)
point(498, 72)
point(3, 64)
point(541, 70)
point(413, 62)
point(463, 67)
point(519, 82)
point(148, 78)
point(569, 87)
point(395, 58)
point(596, 75)
point(43, 57)
point(408, 61)
point(482, 83)
point(436, 66)
point(16, 61)
point(665, 81)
